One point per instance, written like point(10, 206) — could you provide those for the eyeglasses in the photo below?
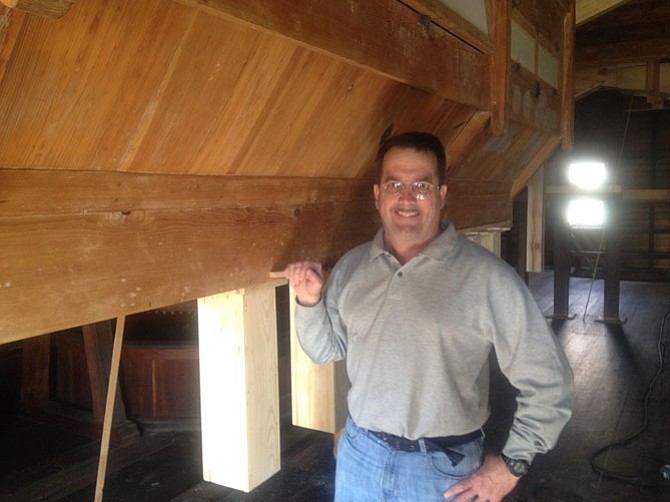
point(420, 189)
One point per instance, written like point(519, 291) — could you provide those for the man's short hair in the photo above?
point(419, 141)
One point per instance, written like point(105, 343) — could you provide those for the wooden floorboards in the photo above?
point(613, 366)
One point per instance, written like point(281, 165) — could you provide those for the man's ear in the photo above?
point(443, 195)
point(375, 190)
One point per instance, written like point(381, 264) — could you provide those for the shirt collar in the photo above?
point(438, 250)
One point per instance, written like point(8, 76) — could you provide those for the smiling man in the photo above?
point(416, 313)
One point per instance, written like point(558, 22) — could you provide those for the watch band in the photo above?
point(516, 466)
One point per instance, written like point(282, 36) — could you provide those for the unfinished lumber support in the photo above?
point(109, 407)
point(318, 391)
point(239, 386)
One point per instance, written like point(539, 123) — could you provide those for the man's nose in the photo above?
point(406, 193)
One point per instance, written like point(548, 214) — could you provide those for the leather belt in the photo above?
point(432, 444)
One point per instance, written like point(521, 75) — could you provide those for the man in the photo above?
point(416, 313)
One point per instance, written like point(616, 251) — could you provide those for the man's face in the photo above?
point(409, 222)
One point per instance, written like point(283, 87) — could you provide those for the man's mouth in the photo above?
point(407, 213)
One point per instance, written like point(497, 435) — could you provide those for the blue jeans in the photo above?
point(369, 470)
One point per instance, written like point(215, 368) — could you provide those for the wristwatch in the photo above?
point(516, 466)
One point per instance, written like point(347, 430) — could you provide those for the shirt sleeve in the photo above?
point(533, 361)
point(321, 333)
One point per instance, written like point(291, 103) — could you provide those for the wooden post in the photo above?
point(500, 65)
point(98, 346)
point(318, 391)
point(109, 407)
point(35, 372)
point(535, 242)
point(612, 260)
point(568, 79)
point(239, 382)
point(561, 260)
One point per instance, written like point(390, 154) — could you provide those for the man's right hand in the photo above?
point(306, 278)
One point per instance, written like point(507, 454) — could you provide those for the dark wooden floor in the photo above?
point(614, 366)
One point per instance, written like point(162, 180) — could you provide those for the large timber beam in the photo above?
point(78, 248)
point(384, 36)
point(632, 77)
point(632, 51)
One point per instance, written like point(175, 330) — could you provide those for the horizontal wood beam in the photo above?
point(41, 192)
point(96, 262)
point(82, 247)
point(384, 36)
point(632, 77)
point(622, 52)
point(649, 195)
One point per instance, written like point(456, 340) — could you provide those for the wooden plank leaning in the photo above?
point(109, 407)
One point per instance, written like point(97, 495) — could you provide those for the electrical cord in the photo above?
point(636, 480)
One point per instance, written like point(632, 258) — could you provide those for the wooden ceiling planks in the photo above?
point(75, 88)
point(201, 106)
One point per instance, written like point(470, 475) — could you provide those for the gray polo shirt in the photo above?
point(417, 339)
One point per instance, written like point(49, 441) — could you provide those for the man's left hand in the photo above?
point(490, 483)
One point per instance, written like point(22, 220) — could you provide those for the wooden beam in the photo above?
point(384, 36)
point(612, 266)
point(98, 347)
point(440, 12)
point(39, 192)
point(239, 395)
point(109, 407)
point(631, 77)
point(622, 52)
point(568, 80)
point(500, 65)
point(154, 247)
point(318, 391)
point(535, 235)
point(562, 259)
point(653, 83)
point(53, 9)
point(587, 10)
point(649, 195)
point(35, 359)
